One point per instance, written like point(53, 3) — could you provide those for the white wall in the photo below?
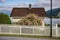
point(14, 20)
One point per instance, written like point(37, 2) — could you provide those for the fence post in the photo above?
point(56, 30)
point(33, 30)
point(20, 30)
point(43, 24)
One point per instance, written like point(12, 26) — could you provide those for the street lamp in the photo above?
point(51, 18)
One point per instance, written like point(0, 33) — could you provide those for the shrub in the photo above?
point(30, 19)
point(47, 24)
point(4, 19)
point(58, 25)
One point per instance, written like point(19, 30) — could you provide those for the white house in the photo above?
point(19, 13)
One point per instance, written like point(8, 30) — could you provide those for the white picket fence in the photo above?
point(29, 30)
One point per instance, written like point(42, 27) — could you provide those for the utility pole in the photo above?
point(51, 18)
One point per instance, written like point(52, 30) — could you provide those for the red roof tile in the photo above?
point(19, 12)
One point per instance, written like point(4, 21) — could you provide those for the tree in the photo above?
point(30, 19)
point(4, 19)
point(1, 13)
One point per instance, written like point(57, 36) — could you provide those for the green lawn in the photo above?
point(29, 36)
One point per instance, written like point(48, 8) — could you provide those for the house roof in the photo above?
point(20, 12)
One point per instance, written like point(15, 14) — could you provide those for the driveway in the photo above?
point(23, 38)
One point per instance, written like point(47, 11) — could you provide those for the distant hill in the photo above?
point(54, 12)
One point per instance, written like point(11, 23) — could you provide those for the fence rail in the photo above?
point(29, 30)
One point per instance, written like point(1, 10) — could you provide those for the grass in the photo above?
point(29, 36)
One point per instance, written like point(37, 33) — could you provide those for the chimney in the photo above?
point(29, 6)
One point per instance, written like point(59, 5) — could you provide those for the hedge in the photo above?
point(4, 19)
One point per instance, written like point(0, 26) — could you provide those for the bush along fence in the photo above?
point(29, 30)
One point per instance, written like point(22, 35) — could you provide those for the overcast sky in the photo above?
point(9, 4)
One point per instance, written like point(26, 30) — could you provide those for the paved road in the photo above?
point(23, 38)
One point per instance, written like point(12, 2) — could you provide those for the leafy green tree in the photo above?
point(4, 19)
point(30, 19)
